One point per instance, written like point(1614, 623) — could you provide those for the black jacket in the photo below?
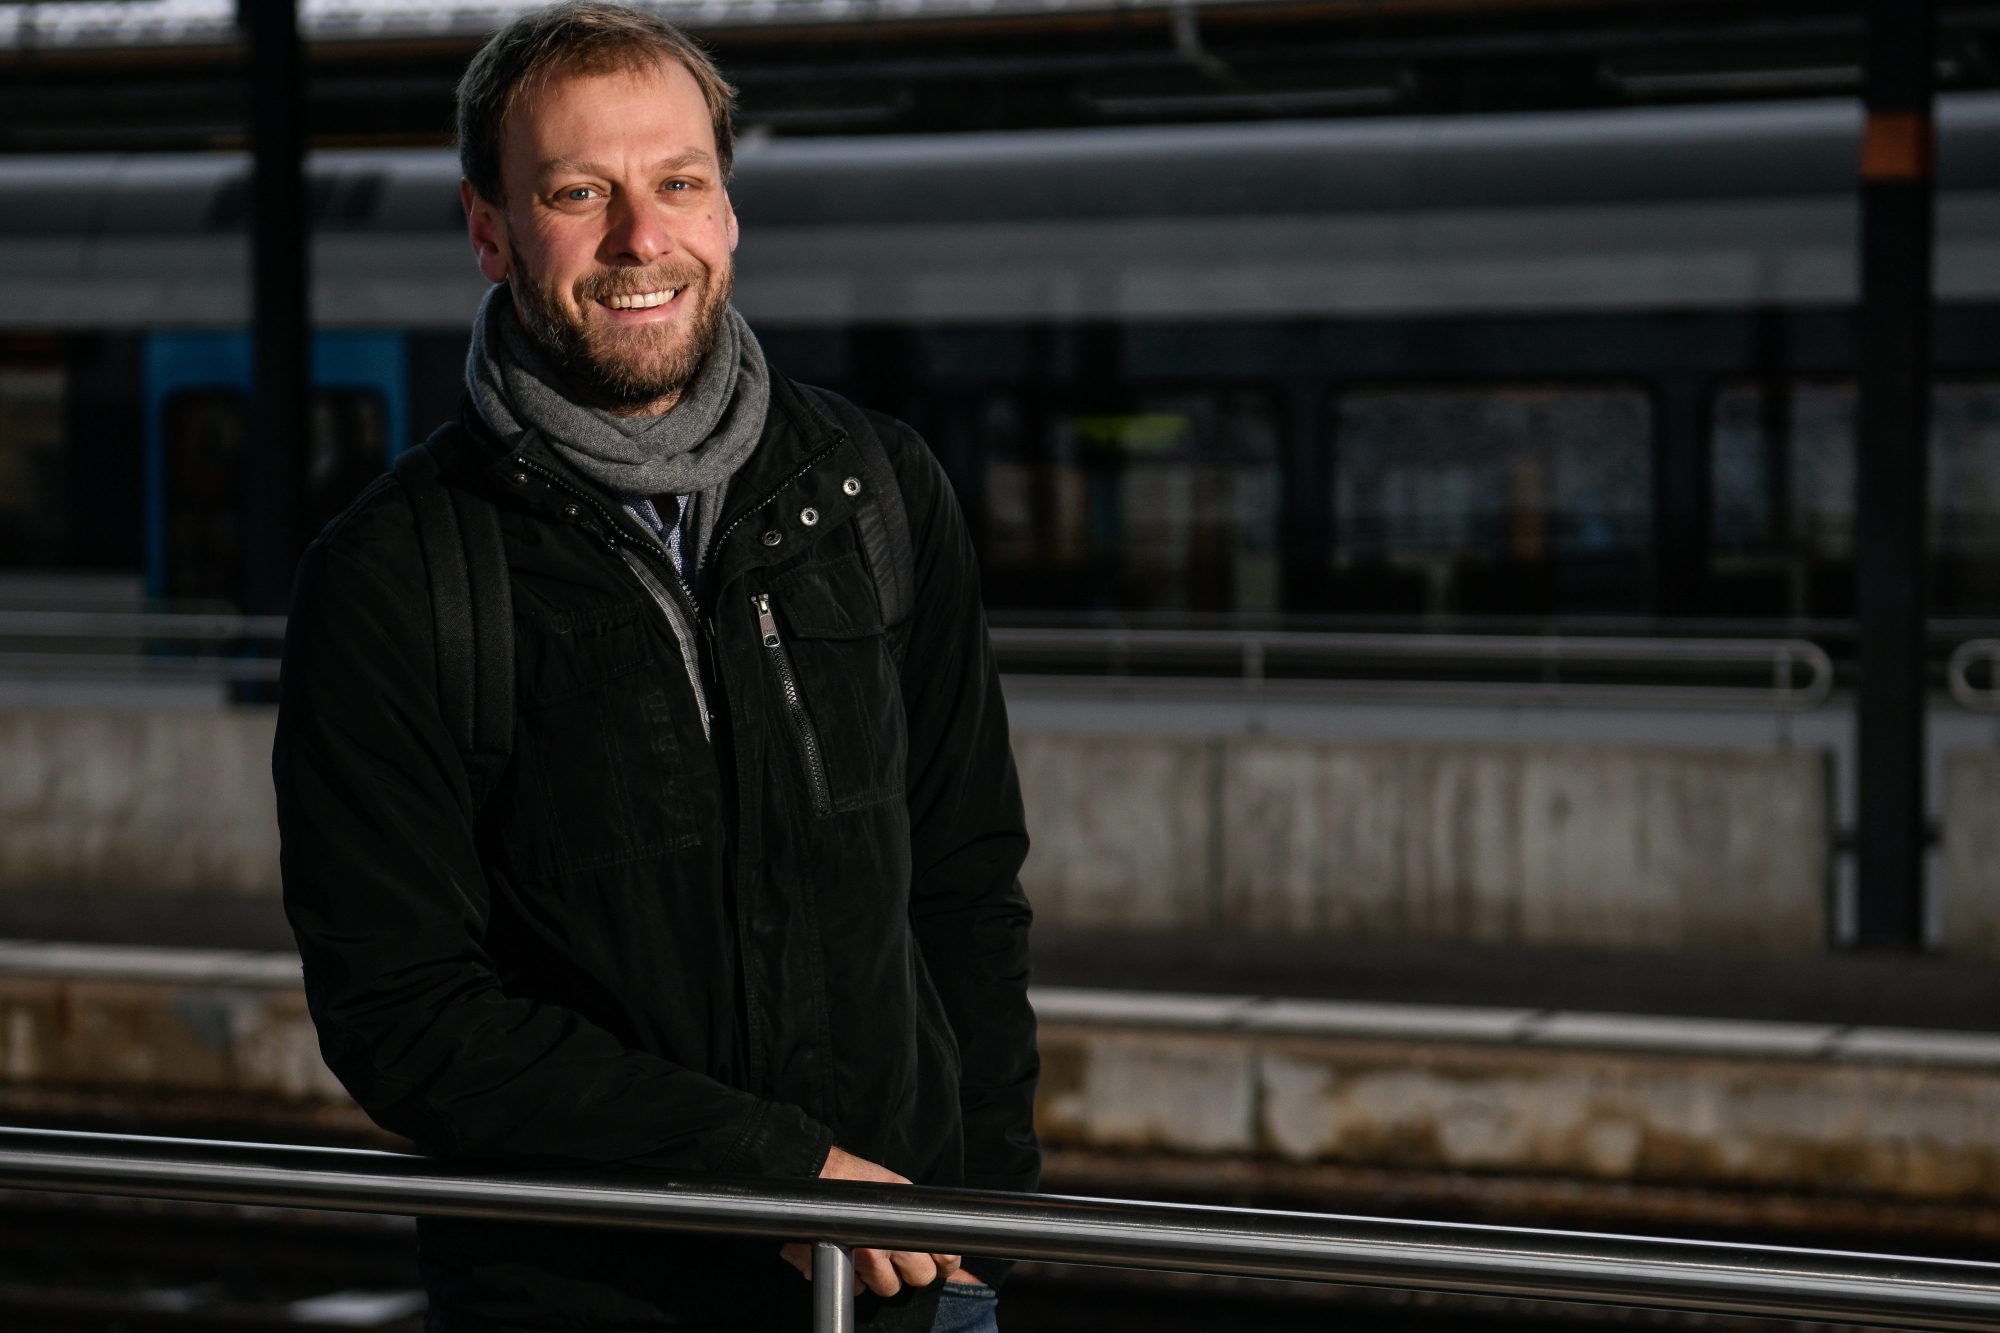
point(651, 947)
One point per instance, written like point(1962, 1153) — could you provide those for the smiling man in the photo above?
point(725, 879)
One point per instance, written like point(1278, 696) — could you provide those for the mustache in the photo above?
point(608, 283)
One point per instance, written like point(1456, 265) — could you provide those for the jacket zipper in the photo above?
point(615, 536)
point(795, 703)
point(676, 620)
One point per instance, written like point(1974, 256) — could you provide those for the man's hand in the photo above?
point(881, 1271)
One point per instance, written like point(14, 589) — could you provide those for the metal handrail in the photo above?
point(1551, 652)
point(1465, 1258)
point(177, 625)
point(1801, 673)
point(1958, 675)
point(218, 643)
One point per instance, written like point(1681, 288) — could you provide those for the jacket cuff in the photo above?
point(781, 1141)
point(987, 1269)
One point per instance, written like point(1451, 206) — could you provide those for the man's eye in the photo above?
point(580, 193)
point(677, 185)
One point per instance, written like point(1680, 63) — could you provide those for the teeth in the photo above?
point(643, 300)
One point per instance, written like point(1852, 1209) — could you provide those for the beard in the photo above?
point(623, 369)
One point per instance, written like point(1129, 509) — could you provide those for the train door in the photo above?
point(197, 449)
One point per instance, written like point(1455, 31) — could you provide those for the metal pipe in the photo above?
point(137, 625)
point(1783, 657)
point(1431, 1256)
point(1958, 675)
point(1800, 672)
point(833, 1288)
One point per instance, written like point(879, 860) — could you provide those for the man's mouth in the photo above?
point(642, 300)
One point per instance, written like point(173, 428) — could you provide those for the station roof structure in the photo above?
point(165, 75)
point(138, 24)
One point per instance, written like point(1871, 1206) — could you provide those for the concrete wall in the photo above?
point(1850, 1127)
point(175, 802)
point(1614, 846)
point(154, 1038)
point(1600, 845)
point(1972, 852)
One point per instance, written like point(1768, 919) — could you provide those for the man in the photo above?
point(742, 898)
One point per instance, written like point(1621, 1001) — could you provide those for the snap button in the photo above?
point(571, 511)
point(809, 516)
point(852, 486)
point(520, 479)
point(773, 537)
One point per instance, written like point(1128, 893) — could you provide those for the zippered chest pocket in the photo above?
point(834, 687)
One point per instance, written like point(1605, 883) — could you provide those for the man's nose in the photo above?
point(636, 233)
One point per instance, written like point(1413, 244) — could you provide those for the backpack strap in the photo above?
point(472, 611)
point(882, 517)
point(885, 532)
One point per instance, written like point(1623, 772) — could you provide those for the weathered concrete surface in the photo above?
point(1120, 828)
point(1610, 846)
point(1972, 852)
point(1851, 1127)
point(155, 1039)
point(1603, 846)
point(133, 1036)
point(158, 801)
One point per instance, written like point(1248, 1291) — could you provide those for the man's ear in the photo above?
point(732, 223)
point(487, 226)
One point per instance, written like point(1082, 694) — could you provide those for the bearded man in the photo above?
point(740, 894)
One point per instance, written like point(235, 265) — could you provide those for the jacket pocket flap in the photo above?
point(829, 599)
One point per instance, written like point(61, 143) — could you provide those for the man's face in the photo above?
point(616, 233)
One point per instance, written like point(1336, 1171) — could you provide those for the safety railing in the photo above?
point(1705, 1276)
point(1958, 675)
point(1789, 675)
point(116, 645)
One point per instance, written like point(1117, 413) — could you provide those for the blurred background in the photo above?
point(1489, 509)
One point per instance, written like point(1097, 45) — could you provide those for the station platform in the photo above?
point(1805, 1128)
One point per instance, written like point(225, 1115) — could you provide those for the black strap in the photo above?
point(884, 522)
point(885, 532)
point(472, 612)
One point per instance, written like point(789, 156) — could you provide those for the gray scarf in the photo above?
point(694, 449)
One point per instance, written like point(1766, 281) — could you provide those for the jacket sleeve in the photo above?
point(968, 833)
point(385, 892)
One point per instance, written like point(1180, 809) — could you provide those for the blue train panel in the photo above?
point(197, 395)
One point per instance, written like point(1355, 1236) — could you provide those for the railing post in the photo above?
point(833, 1288)
point(1253, 682)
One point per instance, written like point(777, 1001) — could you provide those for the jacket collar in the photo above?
point(796, 431)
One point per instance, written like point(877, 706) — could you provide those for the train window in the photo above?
point(347, 447)
point(33, 509)
point(1784, 518)
point(1522, 499)
point(1170, 504)
point(205, 434)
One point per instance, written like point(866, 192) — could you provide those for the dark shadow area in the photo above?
point(167, 920)
point(80, 1266)
point(1894, 990)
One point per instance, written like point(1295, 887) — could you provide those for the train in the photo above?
point(1526, 366)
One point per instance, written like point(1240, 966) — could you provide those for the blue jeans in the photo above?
point(967, 1307)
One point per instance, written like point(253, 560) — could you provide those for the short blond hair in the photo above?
point(580, 37)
